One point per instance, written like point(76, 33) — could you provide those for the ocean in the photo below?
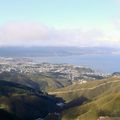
point(102, 63)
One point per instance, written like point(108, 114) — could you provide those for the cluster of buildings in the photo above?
point(27, 66)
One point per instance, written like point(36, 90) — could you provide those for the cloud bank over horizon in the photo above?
point(81, 23)
point(37, 34)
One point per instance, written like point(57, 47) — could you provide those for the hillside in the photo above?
point(103, 99)
point(25, 103)
point(51, 76)
point(21, 98)
point(18, 78)
point(37, 81)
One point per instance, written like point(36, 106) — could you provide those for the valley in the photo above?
point(103, 100)
point(91, 101)
point(32, 91)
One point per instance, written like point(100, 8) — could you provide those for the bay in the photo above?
point(102, 62)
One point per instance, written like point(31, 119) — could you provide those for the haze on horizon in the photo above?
point(88, 23)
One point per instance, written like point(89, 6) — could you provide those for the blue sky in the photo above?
point(64, 22)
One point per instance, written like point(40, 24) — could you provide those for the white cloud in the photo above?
point(13, 32)
point(36, 34)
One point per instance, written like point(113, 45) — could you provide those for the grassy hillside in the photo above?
point(85, 101)
point(43, 82)
point(49, 81)
point(18, 78)
point(103, 95)
point(26, 103)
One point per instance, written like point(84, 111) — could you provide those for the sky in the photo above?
point(81, 23)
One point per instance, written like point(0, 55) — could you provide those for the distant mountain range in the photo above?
point(53, 51)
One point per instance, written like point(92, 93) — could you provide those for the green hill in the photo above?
point(37, 80)
point(103, 99)
point(86, 101)
point(26, 103)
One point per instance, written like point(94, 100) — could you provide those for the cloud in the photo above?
point(22, 32)
point(36, 34)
